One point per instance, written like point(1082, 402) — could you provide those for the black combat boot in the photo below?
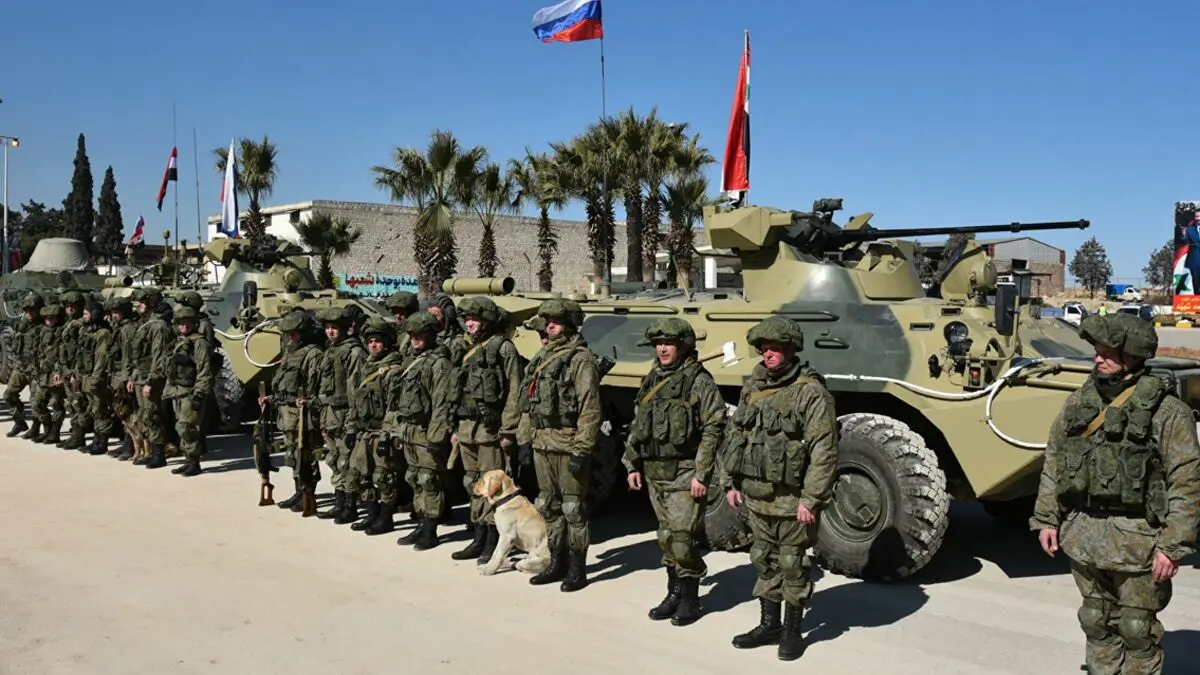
point(372, 514)
point(191, 467)
point(474, 548)
point(557, 569)
point(414, 535)
point(791, 642)
point(689, 602)
point(766, 632)
point(576, 578)
point(99, 444)
point(294, 499)
point(180, 468)
point(339, 503)
point(123, 451)
point(19, 426)
point(75, 442)
point(489, 544)
point(35, 431)
point(427, 537)
point(52, 434)
point(383, 522)
point(349, 512)
point(666, 608)
point(158, 457)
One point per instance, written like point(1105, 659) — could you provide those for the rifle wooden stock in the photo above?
point(262, 456)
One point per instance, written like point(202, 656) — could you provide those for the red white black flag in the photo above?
point(171, 174)
point(736, 168)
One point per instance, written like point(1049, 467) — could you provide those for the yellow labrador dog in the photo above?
point(518, 523)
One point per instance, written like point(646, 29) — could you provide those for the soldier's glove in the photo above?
point(384, 447)
point(576, 463)
point(525, 454)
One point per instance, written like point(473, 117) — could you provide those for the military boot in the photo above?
point(126, 446)
point(191, 467)
point(556, 570)
point(428, 537)
point(689, 602)
point(349, 512)
point(19, 426)
point(180, 468)
point(75, 441)
point(372, 514)
point(670, 603)
point(576, 578)
point(339, 503)
point(383, 522)
point(52, 434)
point(308, 502)
point(99, 444)
point(489, 544)
point(34, 431)
point(294, 499)
point(791, 642)
point(474, 548)
point(158, 457)
point(414, 535)
point(768, 629)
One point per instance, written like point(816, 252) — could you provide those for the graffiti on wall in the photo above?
point(375, 285)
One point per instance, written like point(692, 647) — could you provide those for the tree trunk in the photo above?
point(547, 247)
point(651, 236)
point(633, 234)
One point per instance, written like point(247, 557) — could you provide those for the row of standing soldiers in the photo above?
point(114, 365)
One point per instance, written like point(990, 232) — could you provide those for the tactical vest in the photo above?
point(481, 382)
point(144, 356)
point(16, 346)
point(665, 425)
point(183, 370)
point(767, 438)
point(552, 400)
point(334, 379)
point(290, 384)
point(71, 345)
point(370, 398)
point(408, 396)
point(1110, 462)
point(85, 361)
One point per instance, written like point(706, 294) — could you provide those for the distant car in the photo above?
point(1074, 313)
point(1142, 311)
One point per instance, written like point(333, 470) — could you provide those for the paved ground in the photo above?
point(110, 568)
point(1186, 338)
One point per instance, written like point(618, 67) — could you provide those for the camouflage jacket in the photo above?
point(368, 406)
point(780, 446)
point(190, 372)
point(680, 409)
point(153, 346)
point(95, 356)
point(23, 348)
point(298, 377)
point(49, 346)
point(489, 382)
point(70, 347)
point(562, 397)
point(1122, 543)
point(341, 373)
point(125, 356)
point(420, 399)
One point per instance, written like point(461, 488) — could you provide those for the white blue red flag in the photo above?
point(569, 21)
point(229, 208)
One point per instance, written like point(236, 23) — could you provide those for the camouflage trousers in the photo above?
point(17, 381)
point(305, 467)
point(189, 416)
point(680, 522)
point(150, 419)
point(50, 405)
point(1119, 616)
point(478, 459)
point(780, 558)
point(337, 456)
point(98, 415)
point(562, 499)
point(371, 476)
point(426, 475)
point(77, 404)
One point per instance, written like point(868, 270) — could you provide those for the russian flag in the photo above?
point(229, 207)
point(569, 21)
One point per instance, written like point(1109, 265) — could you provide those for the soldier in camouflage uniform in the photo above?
point(677, 428)
point(123, 359)
point(341, 373)
point(1119, 490)
point(780, 450)
point(402, 304)
point(70, 352)
point(94, 366)
point(23, 352)
point(154, 343)
point(450, 333)
point(420, 413)
point(188, 386)
point(294, 390)
point(563, 401)
point(51, 406)
point(489, 382)
point(204, 326)
point(374, 458)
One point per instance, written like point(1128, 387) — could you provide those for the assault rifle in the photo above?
point(308, 499)
point(263, 431)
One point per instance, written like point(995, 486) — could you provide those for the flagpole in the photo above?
point(196, 170)
point(175, 144)
point(746, 50)
point(606, 283)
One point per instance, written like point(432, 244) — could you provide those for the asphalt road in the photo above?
point(1186, 338)
point(108, 568)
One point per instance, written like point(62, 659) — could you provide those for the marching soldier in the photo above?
point(374, 458)
point(94, 366)
point(489, 381)
point(23, 351)
point(154, 342)
point(677, 427)
point(51, 406)
point(563, 399)
point(189, 384)
point(71, 349)
point(780, 449)
point(341, 372)
point(294, 389)
point(1118, 492)
point(420, 412)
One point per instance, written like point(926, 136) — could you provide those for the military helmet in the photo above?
point(481, 307)
point(151, 296)
point(95, 309)
point(71, 297)
point(296, 320)
point(353, 316)
point(331, 315)
point(670, 329)
point(117, 304)
point(185, 313)
point(191, 299)
point(33, 301)
point(561, 309)
point(403, 301)
point(379, 327)
point(423, 322)
point(776, 329)
point(1123, 332)
point(52, 311)
point(536, 323)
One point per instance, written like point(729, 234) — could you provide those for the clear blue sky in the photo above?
point(924, 112)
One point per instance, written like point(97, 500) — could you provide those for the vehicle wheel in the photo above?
point(725, 528)
point(889, 510)
point(1011, 513)
point(6, 335)
point(228, 391)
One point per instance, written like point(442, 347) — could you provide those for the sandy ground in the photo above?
point(110, 568)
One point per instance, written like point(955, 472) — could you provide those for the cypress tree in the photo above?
point(110, 228)
point(80, 204)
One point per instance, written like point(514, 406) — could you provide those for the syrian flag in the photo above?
point(137, 232)
point(171, 174)
point(736, 168)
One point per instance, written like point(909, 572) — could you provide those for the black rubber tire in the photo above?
point(6, 336)
point(1013, 513)
point(891, 462)
point(228, 392)
point(725, 528)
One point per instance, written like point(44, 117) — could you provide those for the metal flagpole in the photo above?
point(607, 239)
point(196, 170)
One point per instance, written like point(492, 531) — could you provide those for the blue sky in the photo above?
point(923, 112)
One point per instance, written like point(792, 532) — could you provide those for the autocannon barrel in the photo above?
point(874, 234)
point(479, 286)
point(118, 282)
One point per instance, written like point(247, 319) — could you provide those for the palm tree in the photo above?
point(577, 170)
point(535, 182)
point(329, 238)
point(256, 170)
point(494, 193)
point(625, 140)
point(434, 182)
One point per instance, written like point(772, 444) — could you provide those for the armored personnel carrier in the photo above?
point(943, 393)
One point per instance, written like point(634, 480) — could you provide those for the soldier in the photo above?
point(420, 412)
point(121, 362)
point(450, 333)
point(563, 399)
point(51, 406)
point(94, 365)
point(23, 351)
point(294, 389)
point(402, 304)
point(677, 428)
point(780, 450)
point(154, 342)
point(341, 372)
point(1118, 490)
point(374, 459)
point(489, 381)
point(71, 349)
point(189, 384)
point(204, 326)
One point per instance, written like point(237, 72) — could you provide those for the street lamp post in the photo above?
point(14, 142)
